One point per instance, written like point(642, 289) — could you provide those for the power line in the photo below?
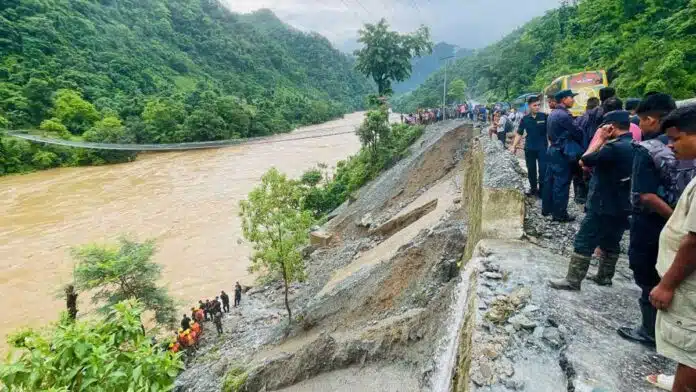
point(419, 12)
point(363, 7)
point(349, 8)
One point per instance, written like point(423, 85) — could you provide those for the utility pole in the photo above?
point(444, 86)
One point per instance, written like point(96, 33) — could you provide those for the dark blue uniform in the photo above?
point(561, 129)
point(646, 227)
point(535, 147)
point(608, 204)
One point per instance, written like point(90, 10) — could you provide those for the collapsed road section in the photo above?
point(430, 279)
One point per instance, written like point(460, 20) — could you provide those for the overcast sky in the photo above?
point(467, 23)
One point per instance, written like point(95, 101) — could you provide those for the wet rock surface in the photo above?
point(554, 340)
point(547, 340)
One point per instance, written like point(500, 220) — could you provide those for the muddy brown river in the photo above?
point(187, 201)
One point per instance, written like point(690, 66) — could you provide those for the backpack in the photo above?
point(675, 174)
point(509, 125)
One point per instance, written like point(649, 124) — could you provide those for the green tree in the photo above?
point(374, 129)
point(118, 273)
point(455, 92)
point(55, 126)
point(38, 92)
point(273, 220)
point(163, 120)
point(73, 111)
point(386, 55)
point(44, 159)
point(108, 130)
point(110, 355)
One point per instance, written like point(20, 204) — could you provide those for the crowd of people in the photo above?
point(189, 333)
point(430, 116)
point(633, 166)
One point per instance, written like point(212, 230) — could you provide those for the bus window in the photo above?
point(555, 87)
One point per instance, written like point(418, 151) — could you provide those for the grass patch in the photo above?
point(235, 379)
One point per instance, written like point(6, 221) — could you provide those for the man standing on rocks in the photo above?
point(608, 206)
point(535, 145)
point(225, 301)
point(565, 138)
point(676, 263)
point(653, 201)
point(237, 294)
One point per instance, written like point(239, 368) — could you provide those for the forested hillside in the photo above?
point(424, 66)
point(160, 71)
point(644, 46)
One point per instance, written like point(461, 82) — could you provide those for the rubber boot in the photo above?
point(577, 269)
point(644, 334)
point(606, 270)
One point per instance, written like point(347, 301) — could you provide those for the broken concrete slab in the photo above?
point(319, 239)
point(404, 219)
point(578, 348)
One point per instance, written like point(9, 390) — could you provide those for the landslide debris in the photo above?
point(376, 298)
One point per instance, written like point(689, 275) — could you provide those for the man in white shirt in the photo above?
point(675, 295)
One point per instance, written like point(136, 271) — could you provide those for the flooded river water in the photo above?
point(187, 201)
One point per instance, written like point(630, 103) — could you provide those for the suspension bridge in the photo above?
point(176, 146)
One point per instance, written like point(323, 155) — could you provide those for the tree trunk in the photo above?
point(71, 301)
point(287, 304)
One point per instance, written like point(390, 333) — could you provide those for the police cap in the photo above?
point(563, 94)
point(617, 116)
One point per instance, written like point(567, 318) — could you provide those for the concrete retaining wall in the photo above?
point(495, 210)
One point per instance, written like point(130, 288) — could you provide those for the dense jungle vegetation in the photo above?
point(643, 45)
point(158, 71)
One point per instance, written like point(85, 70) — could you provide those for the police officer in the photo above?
point(535, 146)
point(608, 206)
point(565, 138)
point(652, 207)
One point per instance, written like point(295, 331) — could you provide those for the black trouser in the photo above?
point(226, 306)
point(237, 299)
point(642, 258)
point(604, 231)
point(580, 187)
point(534, 158)
point(205, 314)
point(218, 326)
point(502, 136)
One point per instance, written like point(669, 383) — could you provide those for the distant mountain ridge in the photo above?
point(643, 46)
point(425, 66)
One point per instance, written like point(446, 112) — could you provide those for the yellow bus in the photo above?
point(586, 84)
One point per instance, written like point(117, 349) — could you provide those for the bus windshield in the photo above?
point(585, 79)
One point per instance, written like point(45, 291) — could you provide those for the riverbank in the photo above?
point(186, 201)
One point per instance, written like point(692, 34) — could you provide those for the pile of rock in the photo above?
point(510, 322)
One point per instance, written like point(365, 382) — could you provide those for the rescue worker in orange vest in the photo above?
point(196, 328)
point(181, 338)
point(189, 338)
